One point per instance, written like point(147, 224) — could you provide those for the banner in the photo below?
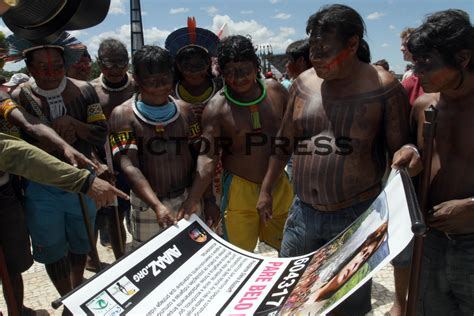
point(187, 269)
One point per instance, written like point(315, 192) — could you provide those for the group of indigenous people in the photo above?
point(182, 138)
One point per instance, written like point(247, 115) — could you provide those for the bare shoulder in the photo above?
point(95, 82)
point(423, 102)
point(306, 81)
point(274, 86)
point(123, 110)
point(385, 78)
point(185, 109)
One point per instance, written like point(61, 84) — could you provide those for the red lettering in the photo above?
point(268, 274)
point(243, 306)
point(247, 294)
point(263, 279)
point(257, 287)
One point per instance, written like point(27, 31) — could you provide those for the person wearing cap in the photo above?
point(81, 69)
point(15, 81)
point(72, 108)
point(194, 50)
point(114, 86)
point(241, 122)
point(151, 138)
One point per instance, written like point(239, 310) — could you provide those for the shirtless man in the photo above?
point(342, 117)
point(54, 216)
point(151, 138)
point(114, 86)
point(241, 121)
point(443, 53)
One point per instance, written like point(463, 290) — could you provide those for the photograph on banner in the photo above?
point(189, 269)
point(340, 265)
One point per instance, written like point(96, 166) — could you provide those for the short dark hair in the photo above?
point(29, 55)
point(447, 32)
point(237, 48)
point(189, 52)
point(345, 21)
point(298, 49)
point(383, 63)
point(153, 58)
point(112, 45)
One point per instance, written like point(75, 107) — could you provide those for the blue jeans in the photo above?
point(308, 229)
point(447, 276)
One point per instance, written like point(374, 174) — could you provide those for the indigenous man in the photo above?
point(297, 54)
point(342, 116)
point(114, 86)
point(71, 107)
point(443, 54)
point(242, 121)
point(151, 136)
point(193, 49)
point(81, 69)
point(297, 63)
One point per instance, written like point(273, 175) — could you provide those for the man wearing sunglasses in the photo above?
point(114, 86)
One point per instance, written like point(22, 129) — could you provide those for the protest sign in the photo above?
point(187, 269)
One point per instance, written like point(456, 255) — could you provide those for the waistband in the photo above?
point(453, 237)
point(172, 194)
point(361, 197)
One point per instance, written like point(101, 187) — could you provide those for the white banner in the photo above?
point(187, 269)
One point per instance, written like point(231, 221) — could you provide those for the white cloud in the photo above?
point(78, 33)
point(385, 45)
point(117, 7)
point(153, 36)
point(274, 1)
point(375, 16)
point(261, 35)
point(212, 10)
point(392, 27)
point(179, 10)
point(282, 16)
point(246, 12)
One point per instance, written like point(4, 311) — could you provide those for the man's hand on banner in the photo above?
point(103, 193)
point(265, 207)
point(453, 217)
point(408, 157)
point(164, 216)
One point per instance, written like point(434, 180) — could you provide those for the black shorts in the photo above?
point(14, 237)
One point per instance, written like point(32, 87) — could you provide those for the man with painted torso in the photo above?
point(151, 139)
point(343, 116)
point(241, 122)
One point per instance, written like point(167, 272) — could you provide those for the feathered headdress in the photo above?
point(192, 36)
point(18, 47)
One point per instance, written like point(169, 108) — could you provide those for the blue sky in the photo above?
point(275, 22)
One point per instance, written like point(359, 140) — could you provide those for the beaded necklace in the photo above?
point(252, 105)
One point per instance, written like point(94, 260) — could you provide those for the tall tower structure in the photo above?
point(136, 25)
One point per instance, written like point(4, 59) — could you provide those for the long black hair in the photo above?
point(345, 21)
point(447, 32)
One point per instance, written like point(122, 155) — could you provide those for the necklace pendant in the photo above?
point(160, 129)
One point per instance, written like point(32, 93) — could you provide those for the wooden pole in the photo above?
point(118, 224)
point(429, 132)
point(90, 233)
